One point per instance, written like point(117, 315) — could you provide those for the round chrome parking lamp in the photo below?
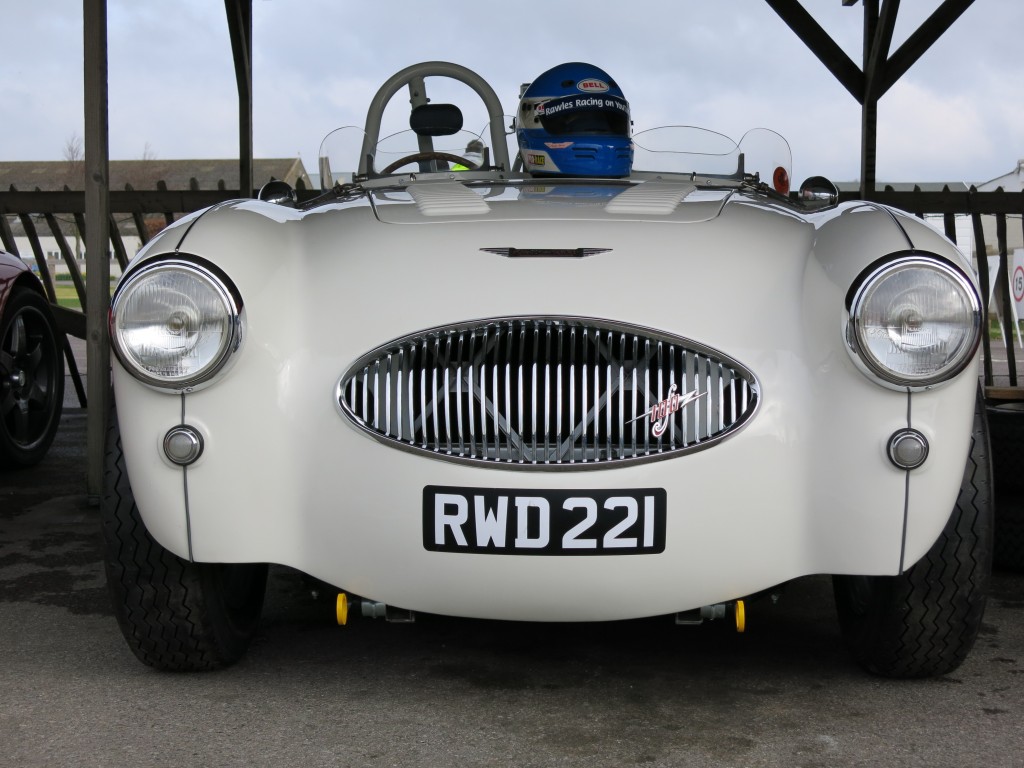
point(915, 322)
point(174, 324)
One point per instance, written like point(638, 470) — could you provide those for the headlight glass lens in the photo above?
point(916, 322)
point(174, 324)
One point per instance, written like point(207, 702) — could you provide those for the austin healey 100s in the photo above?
point(605, 375)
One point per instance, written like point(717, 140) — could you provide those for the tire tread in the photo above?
point(162, 601)
point(925, 621)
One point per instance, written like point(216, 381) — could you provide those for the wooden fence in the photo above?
point(141, 207)
point(1003, 208)
point(38, 210)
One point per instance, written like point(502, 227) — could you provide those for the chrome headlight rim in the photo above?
point(871, 278)
point(225, 291)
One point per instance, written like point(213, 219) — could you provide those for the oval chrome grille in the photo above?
point(552, 392)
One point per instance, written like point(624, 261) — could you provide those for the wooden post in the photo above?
point(97, 214)
point(873, 58)
point(239, 14)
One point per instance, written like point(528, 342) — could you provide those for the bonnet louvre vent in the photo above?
point(545, 393)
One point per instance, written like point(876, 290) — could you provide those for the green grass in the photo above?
point(67, 296)
point(995, 331)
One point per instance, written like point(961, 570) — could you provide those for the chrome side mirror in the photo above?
point(818, 192)
point(279, 193)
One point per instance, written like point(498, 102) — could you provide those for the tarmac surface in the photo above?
point(458, 692)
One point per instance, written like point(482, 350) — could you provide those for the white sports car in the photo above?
point(457, 385)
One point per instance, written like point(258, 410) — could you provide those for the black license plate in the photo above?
point(513, 521)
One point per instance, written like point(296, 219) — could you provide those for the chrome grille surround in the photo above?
point(547, 393)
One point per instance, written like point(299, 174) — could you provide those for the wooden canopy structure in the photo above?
point(879, 70)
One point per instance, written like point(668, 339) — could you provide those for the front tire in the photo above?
point(924, 621)
point(174, 614)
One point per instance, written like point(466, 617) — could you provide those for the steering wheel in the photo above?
point(429, 156)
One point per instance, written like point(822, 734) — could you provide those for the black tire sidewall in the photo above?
point(13, 453)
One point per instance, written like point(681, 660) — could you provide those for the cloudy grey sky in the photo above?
point(730, 65)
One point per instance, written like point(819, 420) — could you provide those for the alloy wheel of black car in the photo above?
point(31, 379)
point(174, 614)
point(924, 621)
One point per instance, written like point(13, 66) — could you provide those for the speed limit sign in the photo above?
point(1018, 284)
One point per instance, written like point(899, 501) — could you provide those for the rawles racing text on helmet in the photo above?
point(574, 121)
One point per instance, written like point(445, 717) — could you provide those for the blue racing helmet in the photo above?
point(574, 121)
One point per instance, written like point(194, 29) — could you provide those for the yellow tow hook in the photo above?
point(341, 609)
point(740, 610)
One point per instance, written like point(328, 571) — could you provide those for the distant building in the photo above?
point(51, 176)
point(1010, 182)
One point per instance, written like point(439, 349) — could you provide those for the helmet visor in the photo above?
point(597, 115)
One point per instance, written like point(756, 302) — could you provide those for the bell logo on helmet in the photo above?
point(592, 85)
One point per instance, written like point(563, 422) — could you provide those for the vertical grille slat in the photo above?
point(457, 375)
point(572, 391)
point(482, 397)
point(533, 394)
point(521, 386)
point(647, 390)
point(387, 395)
point(494, 397)
point(608, 366)
point(433, 397)
point(587, 418)
point(548, 392)
point(446, 389)
point(598, 400)
point(376, 395)
point(636, 393)
point(471, 399)
point(547, 397)
point(622, 394)
point(423, 398)
point(557, 426)
point(673, 386)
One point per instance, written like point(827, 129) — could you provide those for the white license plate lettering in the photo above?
point(544, 522)
point(535, 510)
point(573, 538)
point(491, 523)
point(450, 513)
point(614, 537)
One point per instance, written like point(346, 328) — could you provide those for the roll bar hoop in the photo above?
point(417, 72)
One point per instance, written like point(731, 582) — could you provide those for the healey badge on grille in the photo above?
point(662, 410)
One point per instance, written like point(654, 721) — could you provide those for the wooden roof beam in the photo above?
point(877, 42)
point(921, 40)
point(821, 45)
point(239, 15)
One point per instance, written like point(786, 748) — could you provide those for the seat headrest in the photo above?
point(436, 120)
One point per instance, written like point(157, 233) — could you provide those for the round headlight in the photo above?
point(174, 324)
point(915, 322)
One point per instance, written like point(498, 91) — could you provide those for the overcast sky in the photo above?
point(958, 115)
